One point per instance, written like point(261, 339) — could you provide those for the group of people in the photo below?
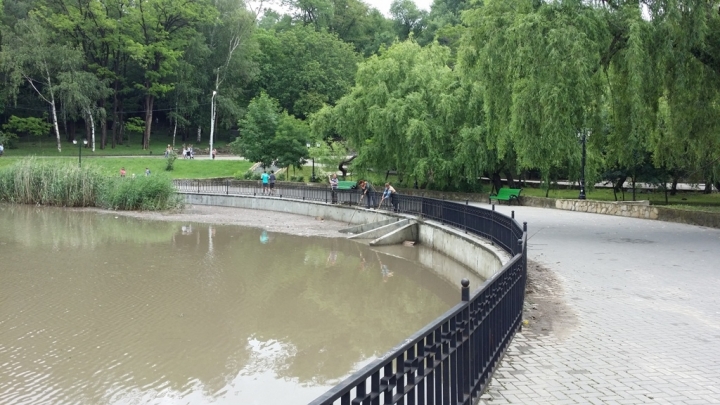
point(368, 193)
point(268, 182)
point(123, 172)
point(187, 152)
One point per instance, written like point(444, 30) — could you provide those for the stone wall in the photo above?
point(634, 209)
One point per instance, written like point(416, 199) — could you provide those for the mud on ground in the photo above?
point(271, 221)
point(546, 310)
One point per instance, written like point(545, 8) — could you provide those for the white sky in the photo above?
point(384, 5)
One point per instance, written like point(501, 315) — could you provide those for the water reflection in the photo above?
point(99, 309)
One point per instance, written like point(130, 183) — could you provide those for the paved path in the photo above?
point(646, 295)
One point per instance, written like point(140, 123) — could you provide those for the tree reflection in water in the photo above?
point(138, 309)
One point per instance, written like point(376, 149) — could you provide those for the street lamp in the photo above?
point(212, 121)
point(80, 145)
point(582, 166)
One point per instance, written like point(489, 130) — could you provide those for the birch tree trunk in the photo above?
point(199, 133)
point(92, 128)
point(174, 133)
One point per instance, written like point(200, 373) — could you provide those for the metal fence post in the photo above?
point(465, 290)
point(465, 215)
point(227, 186)
point(198, 185)
point(492, 225)
point(512, 214)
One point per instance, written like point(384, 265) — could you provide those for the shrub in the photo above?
point(170, 161)
point(51, 182)
point(38, 181)
point(139, 193)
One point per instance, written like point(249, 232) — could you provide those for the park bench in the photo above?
point(346, 185)
point(507, 194)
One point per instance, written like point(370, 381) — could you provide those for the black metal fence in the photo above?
point(452, 359)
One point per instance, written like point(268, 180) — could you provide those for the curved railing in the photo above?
point(451, 360)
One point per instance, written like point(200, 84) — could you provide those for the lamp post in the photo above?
point(80, 145)
point(212, 120)
point(582, 167)
point(312, 179)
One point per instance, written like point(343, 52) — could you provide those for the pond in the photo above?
point(103, 309)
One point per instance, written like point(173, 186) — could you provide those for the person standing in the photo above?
point(333, 187)
point(122, 172)
point(389, 194)
point(214, 152)
point(272, 181)
point(265, 180)
point(147, 171)
point(368, 193)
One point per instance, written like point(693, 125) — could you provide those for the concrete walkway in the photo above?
point(645, 296)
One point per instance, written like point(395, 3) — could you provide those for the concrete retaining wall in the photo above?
point(474, 252)
point(633, 209)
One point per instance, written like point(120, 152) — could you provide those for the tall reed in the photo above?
point(58, 183)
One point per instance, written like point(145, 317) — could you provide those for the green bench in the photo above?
point(346, 185)
point(507, 194)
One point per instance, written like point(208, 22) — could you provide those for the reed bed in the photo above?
point(57, 183)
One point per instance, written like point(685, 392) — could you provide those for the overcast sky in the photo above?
point(384, 5)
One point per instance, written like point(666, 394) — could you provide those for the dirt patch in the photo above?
point(269, 220)
point(546, 310)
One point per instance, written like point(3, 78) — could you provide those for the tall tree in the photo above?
point(303, 68)
point(160, 31)
point(32, 56)
point(402, 114)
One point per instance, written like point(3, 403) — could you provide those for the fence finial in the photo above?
point(465, 289)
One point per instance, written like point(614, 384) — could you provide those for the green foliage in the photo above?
point(247, 175)
point(135, 124)
point(51, 182)
point(268, 135)
point(26, 126)
point(303, 68)
point(257, 130)
point(402, 114)
point(290, 142)
point(170, 161)
point(147, 193)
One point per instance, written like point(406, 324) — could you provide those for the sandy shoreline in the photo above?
point(269, 220)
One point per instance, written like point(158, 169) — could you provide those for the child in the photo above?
point(147, 171)
point(122, 172)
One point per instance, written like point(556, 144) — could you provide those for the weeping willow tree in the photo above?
point(641, 77)
point(537, 66)
point(686, 139)
point(402, 114)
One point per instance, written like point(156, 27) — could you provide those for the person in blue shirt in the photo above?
point(389, 194)
point(265, 179)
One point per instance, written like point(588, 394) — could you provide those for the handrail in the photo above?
point(452, 359)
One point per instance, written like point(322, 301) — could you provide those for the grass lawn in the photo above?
point(49, 148)
point(184, 168)
point(682, 198)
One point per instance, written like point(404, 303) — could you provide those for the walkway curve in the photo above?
point(646, 295)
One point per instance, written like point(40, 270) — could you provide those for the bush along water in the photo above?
point(64, 184)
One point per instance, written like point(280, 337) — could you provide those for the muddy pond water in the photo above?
point(103, 309)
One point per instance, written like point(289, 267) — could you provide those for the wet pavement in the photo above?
point(646, 326)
